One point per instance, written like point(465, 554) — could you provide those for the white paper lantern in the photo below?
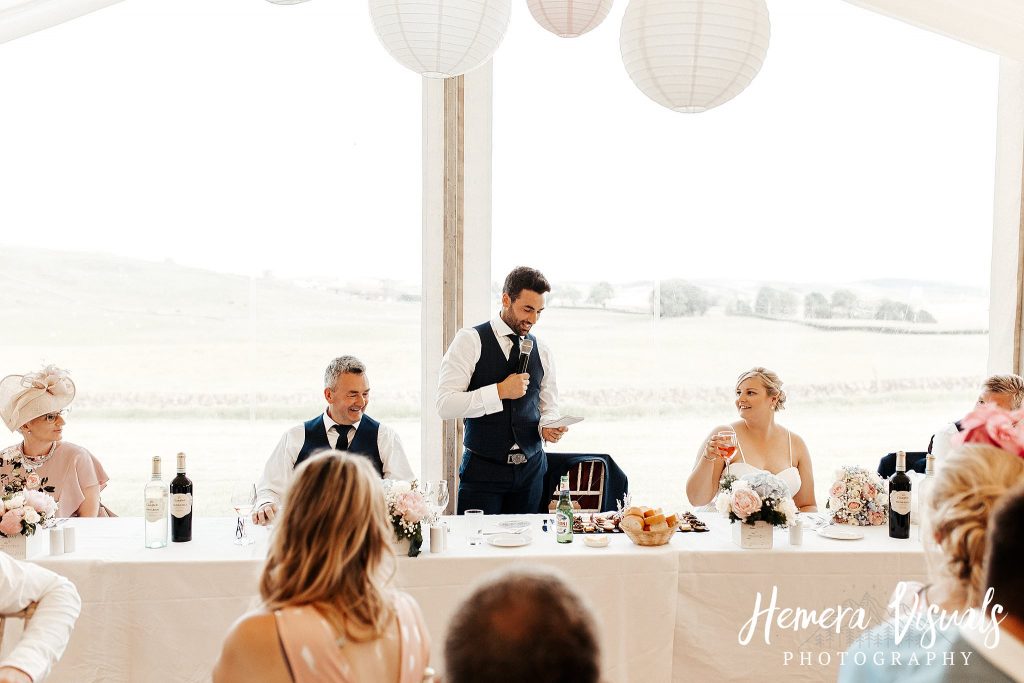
point(440, 38)
point(692, 55)
point(569, 18)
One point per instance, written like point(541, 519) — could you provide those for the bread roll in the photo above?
point(654, 519)
point(660, 526)
point(632, 523)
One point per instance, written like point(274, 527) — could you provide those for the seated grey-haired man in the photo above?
point(343, 426)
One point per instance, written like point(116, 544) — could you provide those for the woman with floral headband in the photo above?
point(34, 405)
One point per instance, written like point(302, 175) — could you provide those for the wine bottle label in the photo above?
point(181, 504)
point(563, 524)
point(156, 509)
point(899, 502)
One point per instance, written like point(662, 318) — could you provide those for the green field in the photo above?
point(171, 359)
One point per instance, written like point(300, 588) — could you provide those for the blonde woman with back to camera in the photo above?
point(761, 445)
point(329, 612)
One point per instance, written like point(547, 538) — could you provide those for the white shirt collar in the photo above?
point(1007, 655)
point(329, 422)
point(500, 327)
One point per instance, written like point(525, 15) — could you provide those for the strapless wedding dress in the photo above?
point(790, 475)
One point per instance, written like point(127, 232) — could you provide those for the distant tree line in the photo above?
point(844, 304)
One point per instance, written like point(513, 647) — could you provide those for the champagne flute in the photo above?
point(243, 497)
point(436, 495)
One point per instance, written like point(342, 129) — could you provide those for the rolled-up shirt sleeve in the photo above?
point(453, 399)
point(278, 470)
point(392, 455)
point(47, 633)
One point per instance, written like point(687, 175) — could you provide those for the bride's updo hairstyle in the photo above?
point(772, 384)
point(967, 486)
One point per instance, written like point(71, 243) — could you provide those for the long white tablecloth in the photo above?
point(668, 613)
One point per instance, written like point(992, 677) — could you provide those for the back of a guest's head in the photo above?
point(523, 625)
point(965, 491)
point(1005, 548)
point(332, 545)
point(1011, 387)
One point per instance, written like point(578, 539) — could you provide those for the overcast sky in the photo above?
point(244, 136)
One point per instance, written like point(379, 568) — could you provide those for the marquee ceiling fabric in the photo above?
point(993, 25)
point(21, 17)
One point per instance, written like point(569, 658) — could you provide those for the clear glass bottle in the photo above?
point(923, 493)
point(157, 495)
point(563, 513)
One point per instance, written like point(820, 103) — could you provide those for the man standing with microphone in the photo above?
point(500, 380)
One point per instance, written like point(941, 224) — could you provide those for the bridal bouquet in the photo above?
point(407, 509)
point(857, 497)
point(759, 497)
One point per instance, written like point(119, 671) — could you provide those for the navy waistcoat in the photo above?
point(364, 443)
point(493, 435)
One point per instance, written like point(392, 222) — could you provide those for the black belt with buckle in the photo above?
point(516, 457)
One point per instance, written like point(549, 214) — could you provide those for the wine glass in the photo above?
point(243, 497)
point(728, 444)
point(436, 495)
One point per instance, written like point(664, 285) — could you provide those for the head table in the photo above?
point(670, 613)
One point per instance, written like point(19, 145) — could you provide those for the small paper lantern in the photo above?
point(440, 38)
point(569, 18)
point(692, 55)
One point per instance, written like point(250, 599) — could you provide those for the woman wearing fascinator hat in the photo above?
point(34, 405)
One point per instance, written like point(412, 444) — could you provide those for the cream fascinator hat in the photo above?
point(26, 397)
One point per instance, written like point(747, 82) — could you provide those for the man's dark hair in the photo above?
point(525, 278)
point(523, 625)
point(1005, 548)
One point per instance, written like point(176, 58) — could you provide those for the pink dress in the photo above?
point(69, 470)
point(316, 655)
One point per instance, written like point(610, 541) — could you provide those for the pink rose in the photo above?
point(10, 525)
point(870, 491)
point(32, 481)
point(745, 502)
point(411, 507)
point(854, 506)
point(876, 518)
point(838, 489)
point(43, 503)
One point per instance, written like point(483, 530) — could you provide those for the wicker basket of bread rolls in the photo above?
point(646, 526)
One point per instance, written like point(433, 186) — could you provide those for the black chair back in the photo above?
point(915, 461)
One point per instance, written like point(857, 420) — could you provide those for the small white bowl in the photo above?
point(597, 541)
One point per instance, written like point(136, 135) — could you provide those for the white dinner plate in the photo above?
point(840, 534)
point(509, 540)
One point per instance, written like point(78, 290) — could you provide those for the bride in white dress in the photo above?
point(762, 445)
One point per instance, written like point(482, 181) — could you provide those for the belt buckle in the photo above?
point(516, 458)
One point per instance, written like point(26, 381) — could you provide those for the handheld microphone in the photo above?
point(525, 349)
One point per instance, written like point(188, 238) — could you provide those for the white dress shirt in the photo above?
point(277, 473)
point(49, 630)
point(458, 364)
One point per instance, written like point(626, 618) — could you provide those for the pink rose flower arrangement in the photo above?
point(857, 497)
point(25, 506)
point(26, 511)
point(994, 426)
point(407, 510)
point(760, 497)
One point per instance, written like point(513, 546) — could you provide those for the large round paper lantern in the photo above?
point(440, 38)
point(569, 18)
point(692, 55)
